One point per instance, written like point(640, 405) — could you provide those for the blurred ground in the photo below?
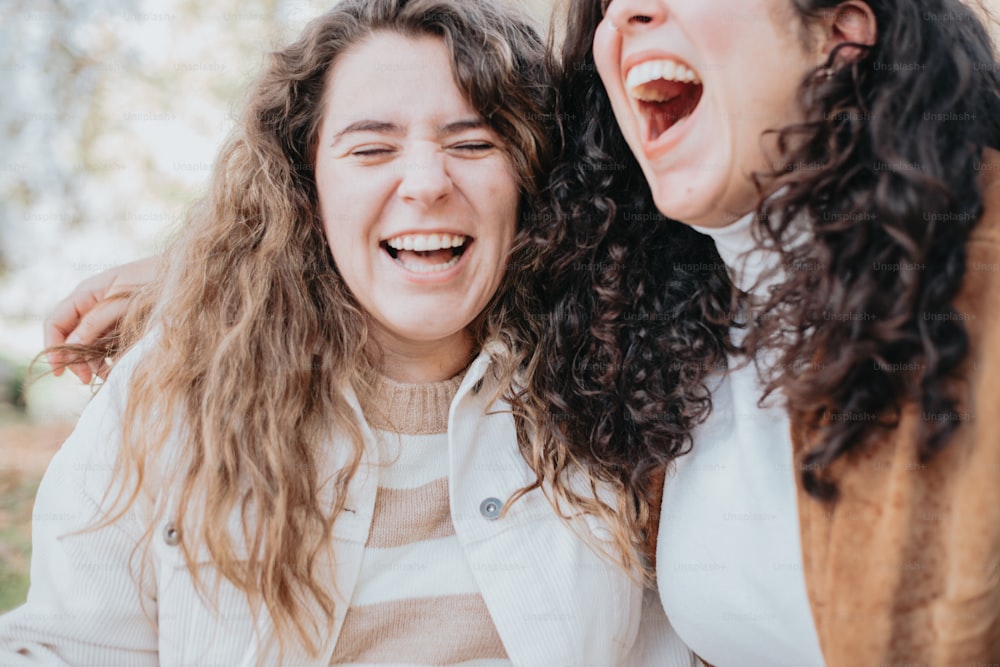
point(25, 451)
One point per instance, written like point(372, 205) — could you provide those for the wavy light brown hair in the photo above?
point(256, 336)
point(885, 169)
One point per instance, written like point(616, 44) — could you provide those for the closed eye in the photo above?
point(372, 151)
point(472, 147)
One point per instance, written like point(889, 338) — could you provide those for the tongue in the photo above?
point(680, 101)
point(659, 90)
point(425, 257)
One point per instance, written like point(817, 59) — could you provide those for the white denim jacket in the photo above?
point(553, 600)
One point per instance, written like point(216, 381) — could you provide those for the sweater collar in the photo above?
point(745, 259)
point(412, 409)
point(419, 409)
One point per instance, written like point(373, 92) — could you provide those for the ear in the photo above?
point(849, 22)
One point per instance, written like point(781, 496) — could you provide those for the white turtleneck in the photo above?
point(729, 557)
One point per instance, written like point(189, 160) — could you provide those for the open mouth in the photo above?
point(426, 253)
point(665, 91)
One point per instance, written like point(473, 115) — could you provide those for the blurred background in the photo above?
point(112, 113)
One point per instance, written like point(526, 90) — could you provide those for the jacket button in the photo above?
point(171, 535)
point(490, 508)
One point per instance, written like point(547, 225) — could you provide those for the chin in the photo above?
point(420, 329)
point(682, 198)
point(674, 204)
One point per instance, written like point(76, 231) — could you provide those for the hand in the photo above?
point(92, 311)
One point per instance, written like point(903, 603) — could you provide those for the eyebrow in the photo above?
point(384, 127)
point(379, 126)
point(461, 126)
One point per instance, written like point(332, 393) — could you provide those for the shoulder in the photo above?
point(92, 455)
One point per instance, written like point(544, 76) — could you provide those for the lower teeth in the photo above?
point(434, 268)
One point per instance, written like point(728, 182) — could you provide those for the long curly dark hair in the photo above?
point(636, 304)
point(885, 171)
point(635, 309)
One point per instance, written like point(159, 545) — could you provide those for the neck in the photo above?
point(420, 362)
point(720, 219)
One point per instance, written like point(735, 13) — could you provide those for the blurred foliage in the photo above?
point(17, 494)
point(113, 112)
point(13, 378)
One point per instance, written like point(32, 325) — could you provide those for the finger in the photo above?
point(82, 371)
point(83, 317)
point(65, 318)
point(100, 321)
point(98, 328)
point(68, 312)
point(56, 363)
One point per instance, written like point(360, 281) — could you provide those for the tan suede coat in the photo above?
point(904, 569)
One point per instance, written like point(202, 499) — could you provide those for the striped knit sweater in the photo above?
point(416, 602)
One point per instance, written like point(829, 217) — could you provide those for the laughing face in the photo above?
point(694, 85)
point(418, 198)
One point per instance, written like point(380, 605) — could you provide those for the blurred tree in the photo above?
point(113, 112)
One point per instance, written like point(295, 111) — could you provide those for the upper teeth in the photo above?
point(421, 242)
point(653, 70)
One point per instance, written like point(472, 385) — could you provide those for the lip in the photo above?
point(428, 278)
point(667, 141)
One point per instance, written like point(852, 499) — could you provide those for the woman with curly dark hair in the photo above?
point(839, 505)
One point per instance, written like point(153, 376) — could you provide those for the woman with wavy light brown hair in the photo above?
point(840, 503)
point(306, 456)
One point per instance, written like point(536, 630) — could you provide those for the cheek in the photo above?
point(511, 218)
point(345, 244)
point(502, 194)
point(347, 205)
point(607, 51)
point(333, 231)
point(326, 195)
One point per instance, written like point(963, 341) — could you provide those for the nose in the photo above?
point(634, 15)
point(425, 180)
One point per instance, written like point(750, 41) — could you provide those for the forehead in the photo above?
point(398, 75)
